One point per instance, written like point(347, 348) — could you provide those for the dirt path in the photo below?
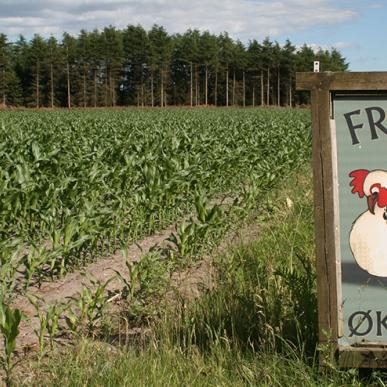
point(190, 283)
point(72, 284)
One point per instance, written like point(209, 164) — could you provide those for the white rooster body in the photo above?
point(368, 237)
point(368, 241)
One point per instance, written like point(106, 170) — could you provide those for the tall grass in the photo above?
point(258, 327)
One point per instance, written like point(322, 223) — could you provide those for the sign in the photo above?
point(361, 137)
point(349, 120)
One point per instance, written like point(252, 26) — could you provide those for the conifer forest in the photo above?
point(132, 66)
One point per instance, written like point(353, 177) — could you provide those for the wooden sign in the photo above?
point(349, 121)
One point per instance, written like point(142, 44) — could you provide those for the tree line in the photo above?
point(132, 66)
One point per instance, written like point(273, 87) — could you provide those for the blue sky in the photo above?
point(361, 38)
point(358, 27)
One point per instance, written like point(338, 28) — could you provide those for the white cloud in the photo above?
point(338, 45)
point(243, 19)
point(376, 5)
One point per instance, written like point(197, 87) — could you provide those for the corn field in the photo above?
point(76, 185)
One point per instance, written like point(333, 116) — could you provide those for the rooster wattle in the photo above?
point(368, 237)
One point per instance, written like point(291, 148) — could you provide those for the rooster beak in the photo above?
point(371, 201)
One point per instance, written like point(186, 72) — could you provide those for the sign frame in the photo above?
point(325, 181)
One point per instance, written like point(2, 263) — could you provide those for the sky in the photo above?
point(356, 27)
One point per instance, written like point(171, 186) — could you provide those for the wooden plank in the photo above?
point(325, 221)
point(341, 81)
point(363, 357)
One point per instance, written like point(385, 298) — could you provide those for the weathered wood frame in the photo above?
point(322, 86)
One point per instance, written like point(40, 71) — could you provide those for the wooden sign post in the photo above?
point(349, 127)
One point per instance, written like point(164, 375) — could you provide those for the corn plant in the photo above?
point(10, 252)
point(147, 284)
point(49, 316)
point(9, 327)
point(89, 306)
point(132, 283)
point(80, 185)
point(193, 235)
point(33, 263)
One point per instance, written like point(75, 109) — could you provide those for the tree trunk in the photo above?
point(198, 82)
point(84, 87)
point(165, 87)
point(142, 94)
point(52, 85)
point(253, 96)
point(278, 87)
point(4, 96)
point(161, 88)
point(196, 85)
point(95, 87)
point(244, 89)
point(68, 86)
point(191, 85)
point(268, 87)
point(106, 86)
point(262, 90)
point(37, 84)
point(216, 88)
point(152, 91)
point(112, 90)
point(233, 89)
point(290, 94)
point(206, 86)
point(227, 87)
point(4, 89)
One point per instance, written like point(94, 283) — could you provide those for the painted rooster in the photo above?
point(368, 237)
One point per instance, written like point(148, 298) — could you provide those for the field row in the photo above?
point(77, 185)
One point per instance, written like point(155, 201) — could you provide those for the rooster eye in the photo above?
point(374, 189)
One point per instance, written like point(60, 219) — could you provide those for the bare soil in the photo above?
point(71, 285)
point(189, 284)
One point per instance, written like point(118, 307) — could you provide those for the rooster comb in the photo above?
point(357, 181)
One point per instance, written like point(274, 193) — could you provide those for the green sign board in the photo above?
point(360, 129)
point(349, 127)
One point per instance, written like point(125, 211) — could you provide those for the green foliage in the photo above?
point(257, 327)
point(86, 310)
point(192, 236)
point(49, 316)
point(146, 286)
point(9, 263)
point(75, 186)
point(111, 67)
point(9, 327)
point(79, 185)
point(130, 284)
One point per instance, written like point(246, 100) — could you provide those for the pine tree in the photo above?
point(134, 66)
point(226, 46)
point(38, 52)
point(161, 46)
point(69, 45)
point(54, 63)
point(208, 49)
point(113, 59)
point(4, 68)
